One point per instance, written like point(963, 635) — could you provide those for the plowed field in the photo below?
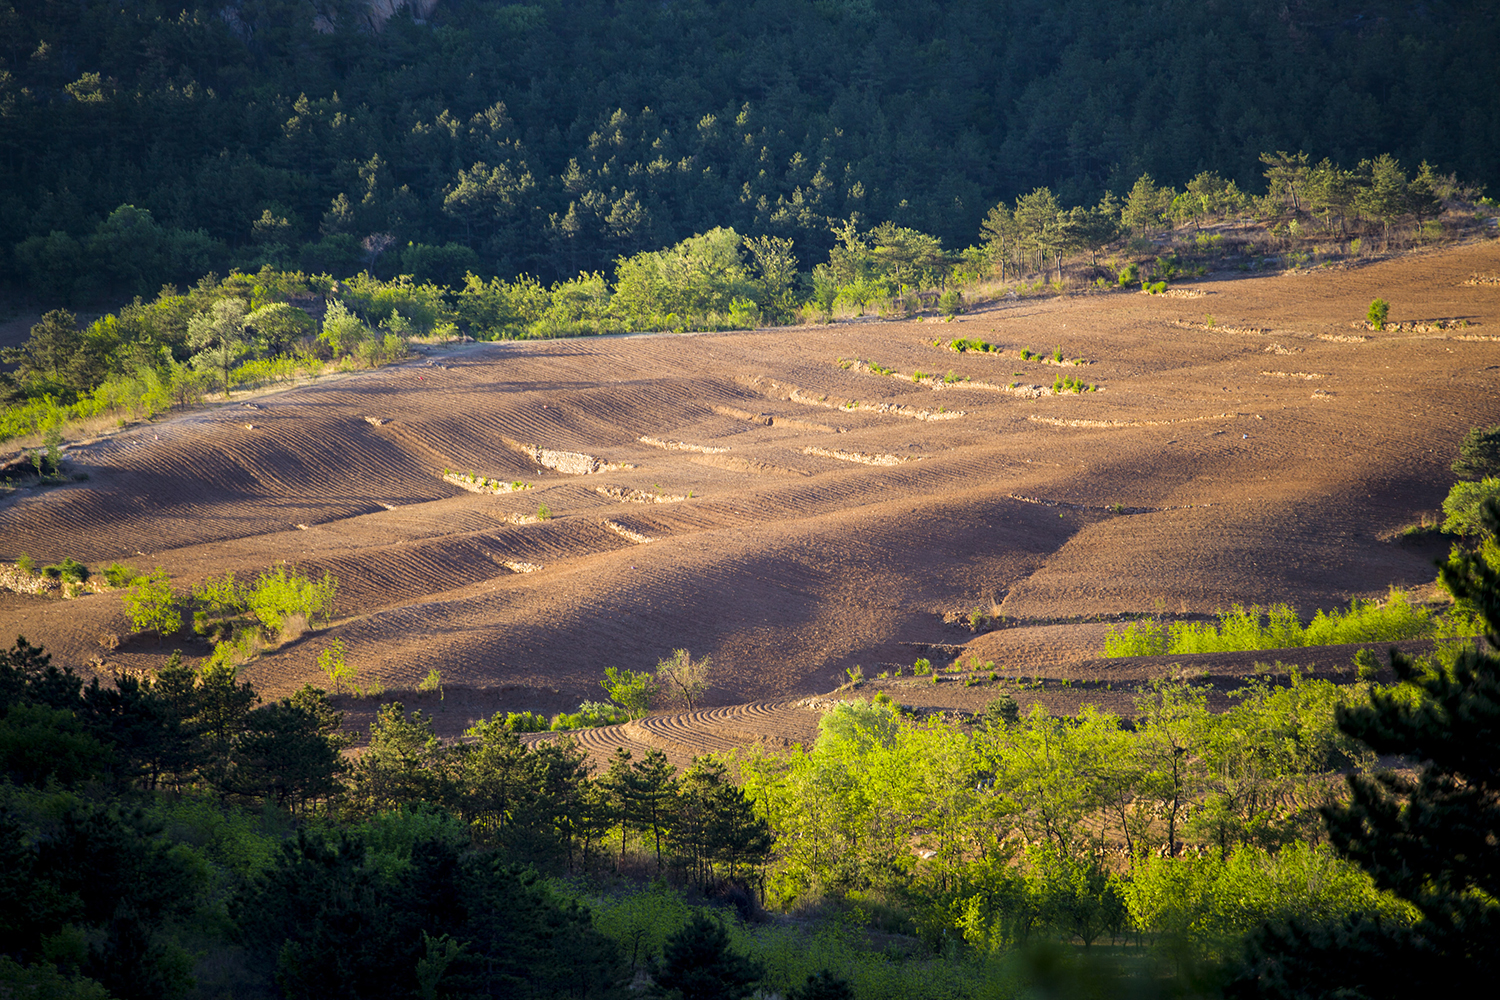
point(1245, 445)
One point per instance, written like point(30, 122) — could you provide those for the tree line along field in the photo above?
point(275, 326)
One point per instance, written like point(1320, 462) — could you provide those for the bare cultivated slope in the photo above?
point(755, 502)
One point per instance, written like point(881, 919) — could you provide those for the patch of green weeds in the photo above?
point(1068, 383)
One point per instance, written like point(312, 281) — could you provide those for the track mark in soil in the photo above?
point(1416, 326)
point(763, 419)
point(483, 485)
point(747, 465)
point(569, 463)
point(1060, 422)
point(778, 390)
point(767, 420)
point(1244, 331)
point(624, 495)
point(863, 458)
point(702, 449)
point(936, 382)
point(627, 534)
point(1111, 509)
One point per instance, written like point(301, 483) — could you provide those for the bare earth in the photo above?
point(1267, 456)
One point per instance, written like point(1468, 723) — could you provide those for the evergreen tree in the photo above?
point(651, 798)
point(697, 964)
point(822, 985)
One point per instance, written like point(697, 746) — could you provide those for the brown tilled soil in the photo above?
point(1267, 456)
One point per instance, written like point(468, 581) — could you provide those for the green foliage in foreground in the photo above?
point(1278, 627)
point(1464, 503)
point(1047, 828)
point(1479, 454)
point(1426, 835)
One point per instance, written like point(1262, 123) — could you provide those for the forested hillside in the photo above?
point(556, 136)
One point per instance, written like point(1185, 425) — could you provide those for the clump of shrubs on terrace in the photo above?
point(1395, 619)
point(240, 619)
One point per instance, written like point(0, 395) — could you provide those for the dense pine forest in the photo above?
point(552, 138)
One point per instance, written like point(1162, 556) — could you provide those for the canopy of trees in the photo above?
point(158, 141)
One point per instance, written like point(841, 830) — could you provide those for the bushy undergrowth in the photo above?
point(1278, 627)
point(590, 714)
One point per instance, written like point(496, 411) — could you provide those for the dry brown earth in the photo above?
point(788, 561)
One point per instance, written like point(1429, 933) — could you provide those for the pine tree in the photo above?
point(696, 964)
point(822, 985)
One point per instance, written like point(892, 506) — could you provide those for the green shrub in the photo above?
point(1130, 274)
point(632, 690)
point(283, 592)
point(152, 604)
point(1379, 309)
point(1026, 354)
point(1141, 638)
point(963, 345)
point(333, 661)
point(25, 564)
point(70, 570)
point(1464, 503)
point(1277, 627)
point(526, 722)
point(951, 302)
point(1069, 383)
point(591, 714)
point(432, 682)
point(1213, 900)
point(1479, 454)
point(922, 667)
point(118, 575)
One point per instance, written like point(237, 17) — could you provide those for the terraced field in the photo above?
point(748, 497)
point(683, 736)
